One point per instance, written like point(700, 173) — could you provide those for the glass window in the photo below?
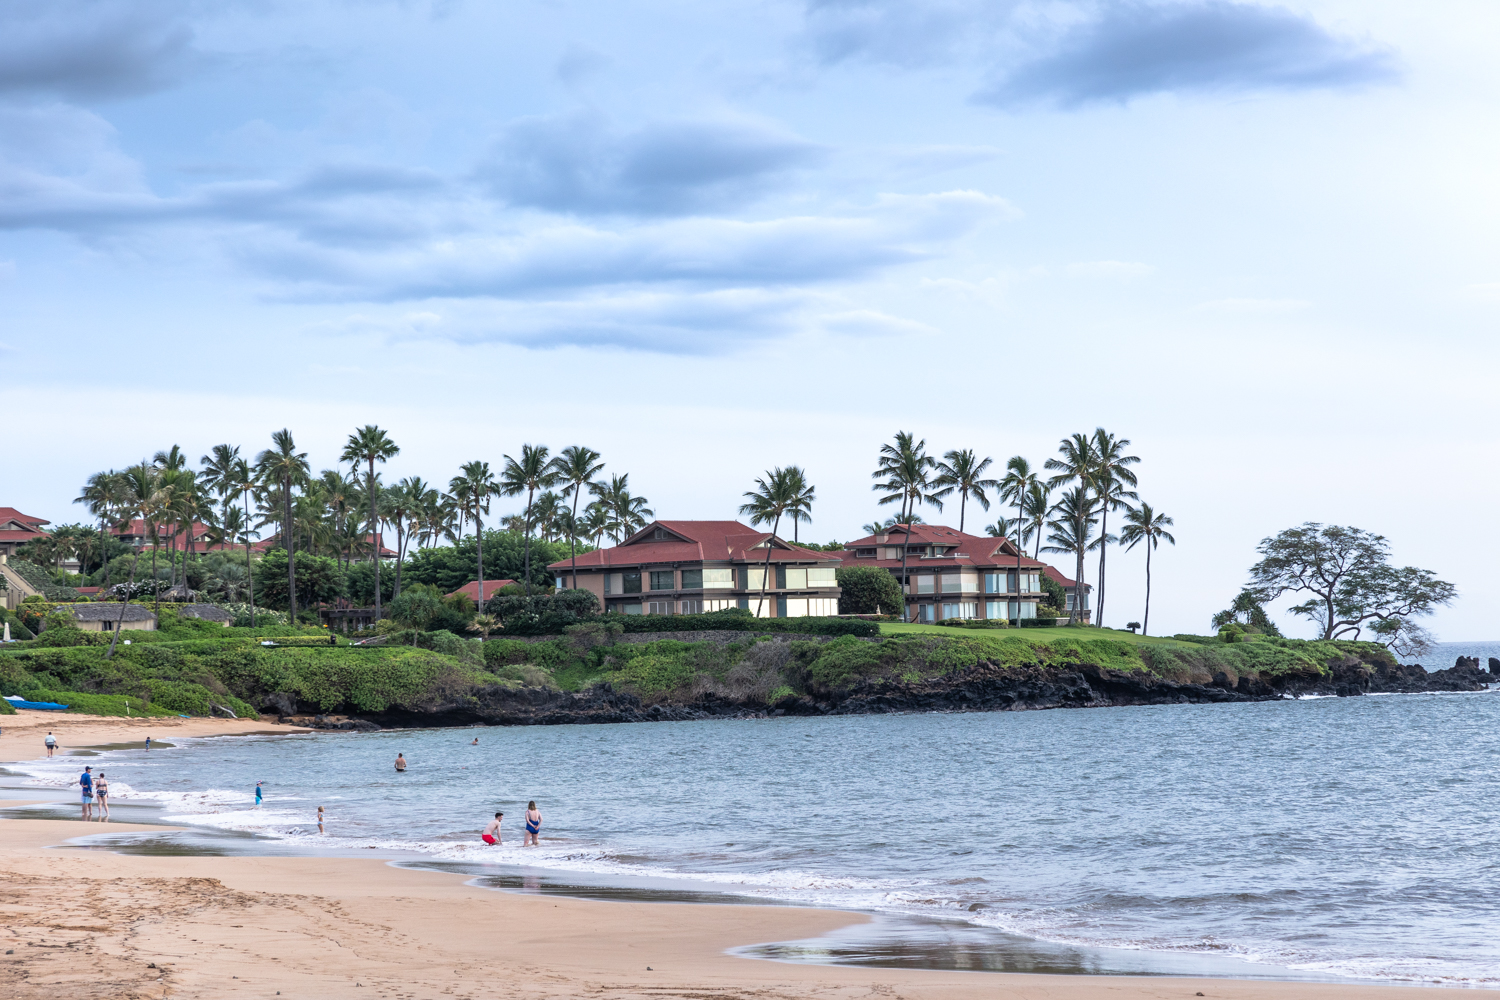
point(719, 578)
point(692, 607)
point(755, 578)
point(992, 583)
point(630, 609)
point(630, 581)
point(663, 579)
point(994, 609)
point(951, 583)
point(890, 553)
point(796, 578)
point(864, 553)
point(950, 611)
point(929, 612)
point(1028, 609)
point(692, 579)
point(822, 577)
point(659, 607)
point(925, 584)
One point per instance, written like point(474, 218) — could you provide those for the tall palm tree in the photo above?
point(419, 499)
point(962, 471)
point(243, 480)
point(217, 473)
point(287, 467)
point(370, 444)
point(1035, 509)
point(772, 497)
point(1077, 464)
point(804, 495)
point(102, 493)
point(627, 514)
point(534, 471)
point(1114, 475)
point(399, 507)
point(1072, 534)
point(469, 494)
point(138, 496)
point(904, 473)
point(1142, 524)
point(1019, 481)
point(1000, 529)
point(594, 524)
point(576, 467)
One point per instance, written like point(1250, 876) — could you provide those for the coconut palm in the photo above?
point(627, 514)
point(804, 496)
point(576, 467)
point(962, 472)
point(1077, 464)
point(370, 444)
point(544, 514)
point(102, 494)
point(1035, 509)
point(1019, 481)
point(594, 523)
point(772, 497)
point(286, 467)
point(1114, 476)
point(138, 496)
point(469, 495)
point(243, 480)
point(216, 475)
point(1072, 533)
point(420, 499)
point(1142, 524)
point(1000, 529)
point(532, 472)
point(903, 473)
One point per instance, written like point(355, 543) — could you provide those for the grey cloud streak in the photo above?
point(93, 48)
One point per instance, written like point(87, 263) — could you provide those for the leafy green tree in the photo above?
point(469, 494)
point(1072, 533)
point(320, 579)
point(627, 513)
point(962, 472)
point(1077, 464)
point(1017, 485)
point(903, 473)
point(1348, 574)
point(869, 590)
point(287, 467)
point(804, 495)
point(102, 494)
point(1036, 508)
point(448, 567)
point(768, 503)
point(416, 610)
point(369, 445)
point(1143, 524)
point(1246, 611)
point(533, 471)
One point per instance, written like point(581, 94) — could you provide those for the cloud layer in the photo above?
point(92, 48)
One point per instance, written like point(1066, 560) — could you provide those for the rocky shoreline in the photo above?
point(984, 687)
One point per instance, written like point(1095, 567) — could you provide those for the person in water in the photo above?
point(148, 743)
point(320, 819)
point(101, 793)
point(533, 826)
point(86, 782)
point(400, 762)
point(51, 742)
point(257, 794)
point(474, 742)
point(491, 833)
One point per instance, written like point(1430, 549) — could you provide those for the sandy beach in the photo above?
point(95, 924)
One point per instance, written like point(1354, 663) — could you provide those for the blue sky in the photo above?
point(1256, 239)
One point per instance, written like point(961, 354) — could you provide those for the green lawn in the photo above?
point(1035, 634)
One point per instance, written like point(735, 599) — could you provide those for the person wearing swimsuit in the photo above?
point(101, 795)
point(533, 826)
point(491, 833)
point(400, 762)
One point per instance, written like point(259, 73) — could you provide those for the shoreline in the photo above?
point(95, 923)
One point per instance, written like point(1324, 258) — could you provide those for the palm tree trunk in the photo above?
point(155, 596)
point(249, 570)
point(905, 546)
point(572, 534)
point(291, 565)
point(963, 501)
point(527, 560)
point(1146, 620)
point(374, 534)
point(765, 573)
point(124, 599)
point(1075, 614)
point(479, 550)
point(1018, 572)
point(1103, 548)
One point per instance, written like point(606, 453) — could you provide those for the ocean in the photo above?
point(1342, 838)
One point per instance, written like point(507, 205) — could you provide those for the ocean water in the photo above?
point(1320, 838)
point(1445, 653)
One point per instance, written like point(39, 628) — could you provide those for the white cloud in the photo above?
point(1110, 269)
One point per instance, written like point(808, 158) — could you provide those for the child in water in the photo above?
point(320, 819)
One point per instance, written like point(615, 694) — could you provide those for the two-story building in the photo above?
point(16, 529)
point(691, 567)
point(951, 574)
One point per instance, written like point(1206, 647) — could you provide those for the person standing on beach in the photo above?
point(400, 762)
point(51, 742)
point(257, 794)
point(101, 792)
point(148, 743)
point(320, 819)
point(86, 782)
point(533, 826)
point(491, 833)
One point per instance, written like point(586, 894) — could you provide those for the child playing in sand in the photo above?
point(491, 833)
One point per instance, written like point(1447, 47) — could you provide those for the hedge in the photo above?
point(740, 620)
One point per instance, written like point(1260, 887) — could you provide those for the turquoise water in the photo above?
point(1323, 837)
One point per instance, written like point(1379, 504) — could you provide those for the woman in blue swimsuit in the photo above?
point(533, 826)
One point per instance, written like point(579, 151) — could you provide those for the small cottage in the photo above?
point(104, 617)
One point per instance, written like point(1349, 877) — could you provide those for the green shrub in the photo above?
point(869, 590)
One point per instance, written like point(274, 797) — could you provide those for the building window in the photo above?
point(864, 553)
point(722, 579)
point(822, 576)
point(961, 609)
point(927, 612)
point(659, 607)
point(1028, 609)
point(692, 607)
point(562, 583)
point(952, 584)
point(743, 603)
point(994, 609)
point(890, 553)
point(661, 534)
point(630, 581)
point(796, 578)
point(106, 626)
point(755, 577)
point(630, 609)
point(692, 579)
point(992, 582)
point(925, 584)
point(663, 579)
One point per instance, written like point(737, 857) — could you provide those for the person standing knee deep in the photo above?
point(533, 825)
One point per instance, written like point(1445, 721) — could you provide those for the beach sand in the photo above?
point(93, 924)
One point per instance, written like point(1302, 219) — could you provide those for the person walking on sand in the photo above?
point(400, 762)
point(86, 782)
point(491, 833)
point(533, 826)
point(320, 819)
point(257, 793)
point(51, 742)
point(101, 792)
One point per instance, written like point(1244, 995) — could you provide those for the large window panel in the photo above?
point(822, 576)
point(796, 578)
point(926, 584)
point(952, 583)
point(663, 579)
point(716, 579)
point(630, 583)
point(692, 579)
point(756, 578)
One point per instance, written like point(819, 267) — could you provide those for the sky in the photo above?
point(1255, 239)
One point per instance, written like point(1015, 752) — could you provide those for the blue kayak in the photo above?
point(49, 706)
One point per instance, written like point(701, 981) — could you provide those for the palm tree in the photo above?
point(287, 467)
point(102, 494)
point(594, 524)
point(370, 444)
point(1142, 524)
point(627, 514)
point(138, 496)
point(1035, 509)
point(963, 471)
point(469, 493)
point(1072, 532)
point(416, 499)
point(242, 480)
point(544, 514)
point(1000, 529)
point(1078, 464)
point(218, 472)
point(1113, 474)
point(904, 472)
point(803, 496)
point(1018, 483)
point(533, 472)
point(576, 467)
point(772, 498)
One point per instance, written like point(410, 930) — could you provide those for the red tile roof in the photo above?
point(965, 550)
point(1052, 574)
point(8, 514)
point(471, 589)
point(695, 541)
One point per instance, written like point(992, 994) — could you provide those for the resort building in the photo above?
point(103, 617)
point(691, 567)
point(950, 574)
point(206, 612)
point(16, 529)
point(471, 589)
point(1070, 588)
